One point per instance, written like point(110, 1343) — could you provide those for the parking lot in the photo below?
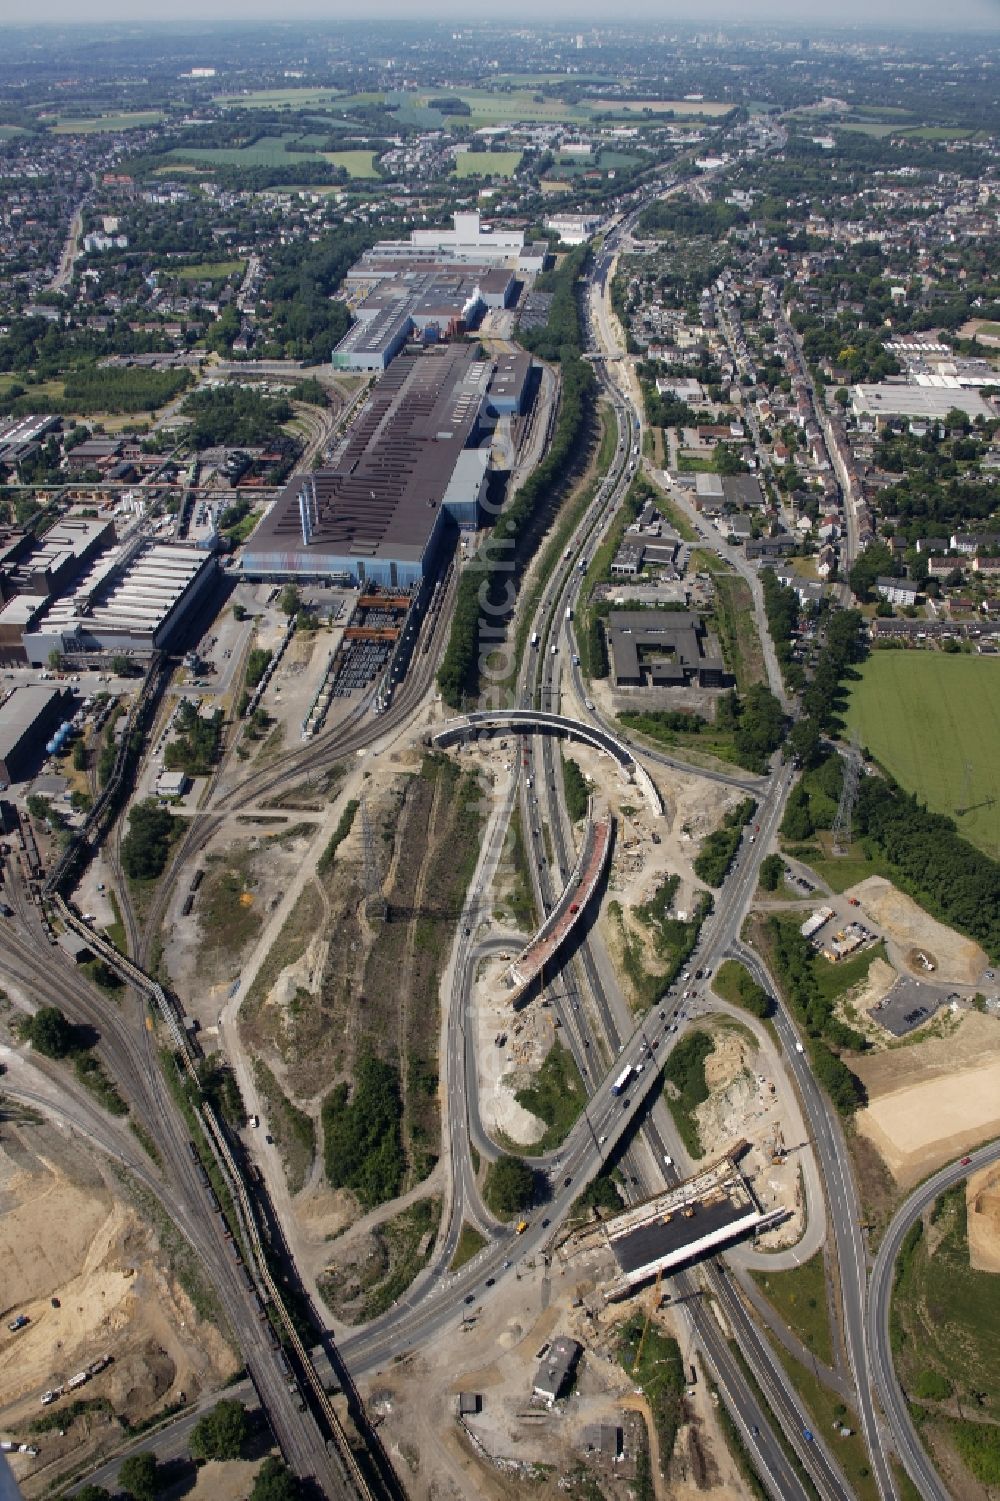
point(908, 1005)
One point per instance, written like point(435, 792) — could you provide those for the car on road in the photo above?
point(965, 1161)
point(470, 1297)
point(546, 1224)
point(490, 1281)
point(21, 1322)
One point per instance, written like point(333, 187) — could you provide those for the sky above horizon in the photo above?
point(958, 14)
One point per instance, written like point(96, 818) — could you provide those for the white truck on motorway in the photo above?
point(622, 1079)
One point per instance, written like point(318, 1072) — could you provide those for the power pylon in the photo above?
point(376, 907)
point(848, 796)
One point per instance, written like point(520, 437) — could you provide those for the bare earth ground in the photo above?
point(933, 1100)
point(741, 1106)
point(982, 1197)
point(66, 1233)
point(495, 1454)
point(958, 959)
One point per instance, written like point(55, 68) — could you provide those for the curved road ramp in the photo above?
point(539, 722)
point(539, 953)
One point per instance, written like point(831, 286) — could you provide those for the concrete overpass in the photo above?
point(533, 959)
point(539, 722)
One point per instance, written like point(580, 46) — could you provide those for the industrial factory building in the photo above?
point(417, 452)
point(135, 601)
point(436, 285)
point(28, 716)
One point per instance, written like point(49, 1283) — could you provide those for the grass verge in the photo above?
point(799, 1296)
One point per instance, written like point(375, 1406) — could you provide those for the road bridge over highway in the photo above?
point(540, 722)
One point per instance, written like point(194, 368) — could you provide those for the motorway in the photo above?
point(597, 1028)
point(608, 1120)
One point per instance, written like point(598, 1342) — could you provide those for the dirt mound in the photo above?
point(982, 1197)
point(959, 961)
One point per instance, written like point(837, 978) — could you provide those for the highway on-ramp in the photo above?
point(911, 1452)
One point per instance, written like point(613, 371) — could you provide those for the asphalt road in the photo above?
point(911, 1452)
point(845, 1217)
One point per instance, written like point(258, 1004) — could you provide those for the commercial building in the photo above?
point(27, 717)
point(136, 601)
point(661, 648)
point(417, 452)
point(573, 229)
point(932, 403)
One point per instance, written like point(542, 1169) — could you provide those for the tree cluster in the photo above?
point(931, 860)
point(361, 1133)
point(196, 747)
point(509, 1186)
point(146, 846)
point(235, 416)
point(713, 860)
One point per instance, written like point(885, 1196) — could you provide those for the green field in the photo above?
point(304, 98)
point(206, 270)
point(945, 1322)
point(933, 721)
point(355, 163)
point(97, 124)
point(269, 151)
point(487, 163)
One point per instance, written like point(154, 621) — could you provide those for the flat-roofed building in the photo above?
point(412, 456)
point(133, 602)
point(888, 400)
point(662, 649)
point(510, 384)
point(27, 717)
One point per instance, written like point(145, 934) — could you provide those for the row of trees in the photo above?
point(931, 860)
point(487, 583)
point(794, 961)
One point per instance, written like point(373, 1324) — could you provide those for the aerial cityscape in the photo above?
point(499, 773)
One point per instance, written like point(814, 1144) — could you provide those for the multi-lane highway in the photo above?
point(596, 1025)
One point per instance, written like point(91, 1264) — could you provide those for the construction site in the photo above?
point(699, 1215)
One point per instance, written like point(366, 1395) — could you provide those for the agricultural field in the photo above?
point(99, 124)
point(305, 98)
point(355, 163)
point(487, 163)
point(269, 151)
point(933, 721)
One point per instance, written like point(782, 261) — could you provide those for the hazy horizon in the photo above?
point(871, 14)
